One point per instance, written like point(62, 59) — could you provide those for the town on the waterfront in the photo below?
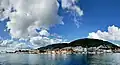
point(81, 46)
point(68, 50)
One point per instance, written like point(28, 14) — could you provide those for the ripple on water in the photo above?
point(60, 59)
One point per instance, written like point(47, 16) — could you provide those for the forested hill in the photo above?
point(86, 42)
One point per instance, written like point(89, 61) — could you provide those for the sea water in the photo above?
point(60, 59)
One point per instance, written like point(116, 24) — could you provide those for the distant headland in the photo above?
point(80, 46)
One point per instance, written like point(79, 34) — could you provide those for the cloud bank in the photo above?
point(12, 45)
point(43, 41)
point(113, 34)
point(27, 16)
point(31, 15)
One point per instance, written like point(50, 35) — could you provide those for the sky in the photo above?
point(36, 23)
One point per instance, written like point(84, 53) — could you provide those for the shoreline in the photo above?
point(61, 53)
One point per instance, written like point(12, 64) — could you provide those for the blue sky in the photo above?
point(4, 34)
point(98, 15)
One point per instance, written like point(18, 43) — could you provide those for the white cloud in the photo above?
point(29, 16)
point(113, 34)
point(5, 43)
point(22, 46)
point(43, 41)
point(32, 15)
point(56, 35)
point(74, 10)
point(39, 41)
point(45, 38)
point(44, 33)
point(4, 9)
point(70, 5)
point(13, 45)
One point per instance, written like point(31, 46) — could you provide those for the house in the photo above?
point(104, 49)
point(78, 48)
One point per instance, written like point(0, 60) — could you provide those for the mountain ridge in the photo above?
point(85, 43)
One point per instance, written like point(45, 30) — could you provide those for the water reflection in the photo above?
point(104, 59)
point(57, 59)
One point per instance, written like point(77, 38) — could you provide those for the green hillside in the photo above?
point(86, 43)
